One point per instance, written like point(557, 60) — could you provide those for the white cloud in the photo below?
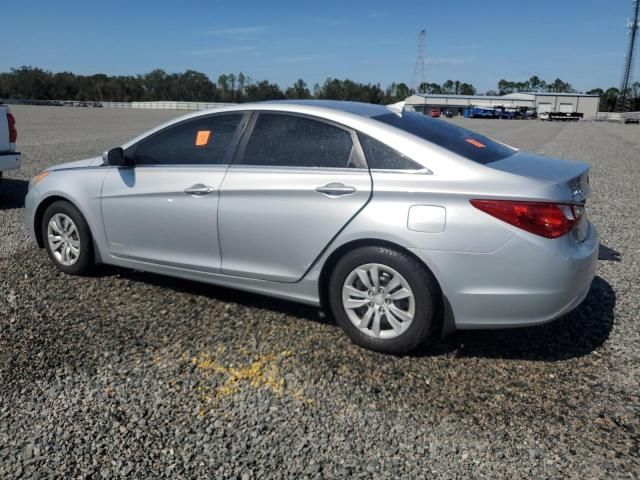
point(223, 50)
point(299, 58)
point(446, 61)
point(237, 31)
point(467, 46)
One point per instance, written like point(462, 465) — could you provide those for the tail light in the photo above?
point(547, 219)
point(13, 133)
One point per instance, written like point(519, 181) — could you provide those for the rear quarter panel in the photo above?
point(467, 230)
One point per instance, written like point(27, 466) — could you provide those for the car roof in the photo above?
point(357, 108)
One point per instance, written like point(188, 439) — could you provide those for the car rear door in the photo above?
point(164, 209)
point(296, 182)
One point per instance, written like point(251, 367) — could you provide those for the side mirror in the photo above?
point(116, 158)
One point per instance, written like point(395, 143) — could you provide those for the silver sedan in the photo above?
point(404, 226)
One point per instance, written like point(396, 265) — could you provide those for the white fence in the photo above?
point(615, 116)
point(116, 104)
point(167, 105)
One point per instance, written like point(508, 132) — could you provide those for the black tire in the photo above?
point(425, 290)
point(85, 260)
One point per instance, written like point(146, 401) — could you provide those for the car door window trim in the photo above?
point(421, 171)
point(180, 166)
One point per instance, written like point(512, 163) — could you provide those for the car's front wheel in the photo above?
point(67, 238)
point(383, 299)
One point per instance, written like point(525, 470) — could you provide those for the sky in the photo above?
point(582, 42)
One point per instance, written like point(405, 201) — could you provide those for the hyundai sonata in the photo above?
point(403, 225)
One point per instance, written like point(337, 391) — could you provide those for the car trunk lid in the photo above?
point(572, 177)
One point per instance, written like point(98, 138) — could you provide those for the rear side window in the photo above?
point(383, 157)
point(205, 141)
point(456, 139)
point(290, 141)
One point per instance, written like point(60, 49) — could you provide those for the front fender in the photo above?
point(81, 188)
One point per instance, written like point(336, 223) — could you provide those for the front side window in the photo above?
point(204, 141)
point(383, 157)
point(280, 140)
point(466, 143)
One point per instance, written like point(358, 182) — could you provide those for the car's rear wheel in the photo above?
point(67, 238)
point(383, 299)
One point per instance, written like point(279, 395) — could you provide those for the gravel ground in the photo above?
point(126, 373)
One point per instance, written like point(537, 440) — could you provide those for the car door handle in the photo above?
point(336, 189)
point(199, 189)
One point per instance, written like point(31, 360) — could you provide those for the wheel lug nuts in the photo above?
point(371, 304)
point(387, 301)
point(371, 293)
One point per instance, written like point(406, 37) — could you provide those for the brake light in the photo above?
point(13, 133)
point(547, 219)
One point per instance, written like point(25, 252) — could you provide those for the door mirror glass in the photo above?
point(116, 157)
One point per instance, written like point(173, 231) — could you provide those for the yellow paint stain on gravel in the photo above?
point(261, 373)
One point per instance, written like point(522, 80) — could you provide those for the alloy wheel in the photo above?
point(64, 239)
point(378, 301)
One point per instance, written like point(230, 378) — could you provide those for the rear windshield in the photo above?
point(456, 139)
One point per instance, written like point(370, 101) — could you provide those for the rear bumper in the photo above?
point(10, 160)
point(525, 282)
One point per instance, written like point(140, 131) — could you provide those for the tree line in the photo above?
point(32, 83)
point(609, 97)
point(534, 84)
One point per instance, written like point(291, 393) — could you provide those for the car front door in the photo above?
point(163, 209)
point(296, 182)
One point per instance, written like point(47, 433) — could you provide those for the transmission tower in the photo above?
point(624, 98)
point(418, 70)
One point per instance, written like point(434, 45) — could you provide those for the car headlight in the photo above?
point(38, 178)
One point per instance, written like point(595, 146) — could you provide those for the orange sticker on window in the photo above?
point(202, 138)
point(475, 143)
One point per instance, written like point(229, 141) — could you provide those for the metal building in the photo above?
point(542, 102)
